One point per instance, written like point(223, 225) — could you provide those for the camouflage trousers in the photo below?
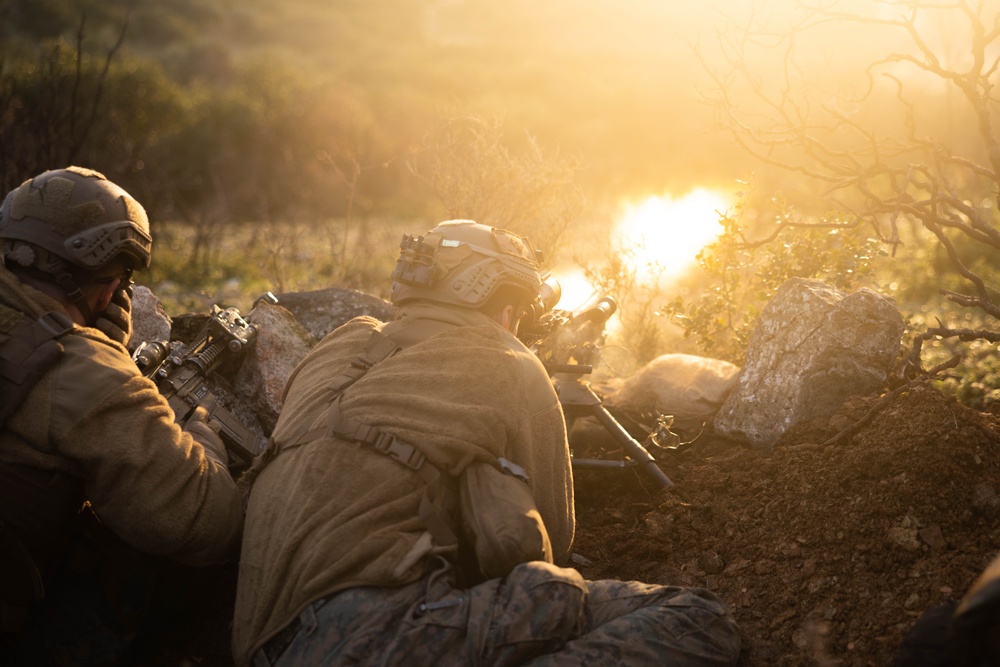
point(539, 615)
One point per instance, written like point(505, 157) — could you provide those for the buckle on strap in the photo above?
point(55, 323)
point(402, 452)
point(377, 348)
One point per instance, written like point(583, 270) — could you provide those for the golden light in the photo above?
point(576, 289)
point(661, 236)
point(578, 292)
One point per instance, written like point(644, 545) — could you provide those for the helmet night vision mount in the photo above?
point(462, 262)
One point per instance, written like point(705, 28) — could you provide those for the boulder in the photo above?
point(150, 321)
point(280, 345)
point(812, 348)
point(689, 387)
point(322, 311)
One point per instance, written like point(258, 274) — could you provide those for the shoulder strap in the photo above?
point(439, 501)
point(377, 348)
point(28, 348)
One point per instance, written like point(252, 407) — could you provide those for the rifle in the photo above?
point(568, 344)
point(181, 373)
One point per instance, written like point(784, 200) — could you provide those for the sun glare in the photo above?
point(662, 236)
point(576, 289)
point(577, 293)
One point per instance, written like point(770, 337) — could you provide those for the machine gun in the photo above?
point(181, 373)
point(568, 344)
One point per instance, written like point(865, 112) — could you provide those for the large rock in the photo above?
point(252, 384)
point(813, 347)
point(150, 321)
point(322, 311)
point(280, 345)
point(689, 387)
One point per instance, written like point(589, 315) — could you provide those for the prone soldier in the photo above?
point(95, 476)
point(415, 503)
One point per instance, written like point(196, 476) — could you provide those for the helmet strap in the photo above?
point(69, 285)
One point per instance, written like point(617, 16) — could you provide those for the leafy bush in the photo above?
point(976, 380)
point(741, 276)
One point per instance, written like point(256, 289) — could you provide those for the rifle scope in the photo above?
point(148, 356)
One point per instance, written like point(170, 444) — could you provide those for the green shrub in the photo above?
point(740, 276)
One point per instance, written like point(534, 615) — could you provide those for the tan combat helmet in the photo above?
point(462, 262)
point(65, 220)
point(74, 216)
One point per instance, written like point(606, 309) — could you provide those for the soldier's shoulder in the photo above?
point(350, 335)
point(361, 325)
point(90, 351)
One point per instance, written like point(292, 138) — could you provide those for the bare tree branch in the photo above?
point(884, 176)
point(79, 139)
point(883, 402)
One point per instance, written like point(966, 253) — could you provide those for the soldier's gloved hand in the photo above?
point(207, 433)
point(116, 320)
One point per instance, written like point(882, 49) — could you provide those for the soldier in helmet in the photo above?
point(94, 473)
point(415, 505)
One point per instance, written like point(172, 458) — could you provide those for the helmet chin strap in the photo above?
point(75, 294)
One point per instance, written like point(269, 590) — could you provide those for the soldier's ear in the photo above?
point(508, 318)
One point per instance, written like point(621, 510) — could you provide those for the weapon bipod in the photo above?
point(579, 400)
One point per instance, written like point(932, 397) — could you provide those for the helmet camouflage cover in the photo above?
point(75, 216)
point(462, 262)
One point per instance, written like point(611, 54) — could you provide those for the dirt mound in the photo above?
point(826, 555)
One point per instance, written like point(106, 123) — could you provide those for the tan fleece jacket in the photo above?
point(331, 514)
point(96, 418)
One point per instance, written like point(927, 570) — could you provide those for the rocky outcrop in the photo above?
point(322, 311)
point(813, 347)
point(150, 321)
point(280, 344)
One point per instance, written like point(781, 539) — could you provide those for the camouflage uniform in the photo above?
point(337, 566)
point(290, 565)
point(539, 614)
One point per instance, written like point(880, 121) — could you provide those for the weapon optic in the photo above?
point(568, 343)
point(181, 373)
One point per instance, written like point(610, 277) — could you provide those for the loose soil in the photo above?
point(825, 554)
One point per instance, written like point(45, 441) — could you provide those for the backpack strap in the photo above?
point(439, 500)
point(378, 348)
point(28, 348)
